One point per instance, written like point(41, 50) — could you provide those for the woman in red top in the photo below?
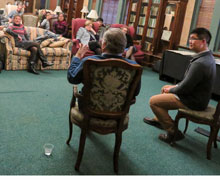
point(61, 26)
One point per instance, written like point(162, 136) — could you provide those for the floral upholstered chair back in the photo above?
point(108, 85)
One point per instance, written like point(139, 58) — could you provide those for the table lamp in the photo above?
point(58, 10)
point(93, 15)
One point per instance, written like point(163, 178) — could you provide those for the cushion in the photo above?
point(57, 44)
point(48, 51)
point(46, 43)
point(207, 114)
point(77, 116)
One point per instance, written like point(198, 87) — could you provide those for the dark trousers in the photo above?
point(35, 50)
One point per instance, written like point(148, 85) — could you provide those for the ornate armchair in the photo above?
point(108, 91)
point(139, 55)
point(76, 24)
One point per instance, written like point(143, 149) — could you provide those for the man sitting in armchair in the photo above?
point(113, 45)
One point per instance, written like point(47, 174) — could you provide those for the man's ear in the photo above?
point(103, 46)
point(205, 42)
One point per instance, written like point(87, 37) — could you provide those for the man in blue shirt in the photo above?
point(18, 11)
point(113, 45)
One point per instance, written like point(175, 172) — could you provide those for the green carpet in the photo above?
point(34, 111)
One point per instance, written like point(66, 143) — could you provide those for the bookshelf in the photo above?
point(158, 24)
point(71, 9)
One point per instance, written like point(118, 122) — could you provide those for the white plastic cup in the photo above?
point(48, 148)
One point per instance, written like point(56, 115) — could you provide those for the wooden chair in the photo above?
point(108, 91)
point(209, 117)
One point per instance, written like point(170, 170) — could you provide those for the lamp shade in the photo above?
point(84, 9)
point(58, 9)
point(93, 14)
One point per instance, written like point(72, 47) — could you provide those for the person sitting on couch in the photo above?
point(60, 26)
point(18, 11)
point(46, 22)
point(17, 30)
point(87, 36)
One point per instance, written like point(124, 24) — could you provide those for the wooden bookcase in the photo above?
point(71, 9)
point(158, 24)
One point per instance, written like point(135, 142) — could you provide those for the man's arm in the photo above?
point(80, 33)
point(9, 31)
point(74, 73)
point(43, 24)
point(26, 35)
point(10, 16)
point(192, 78)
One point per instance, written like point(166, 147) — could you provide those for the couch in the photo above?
point(58, 52)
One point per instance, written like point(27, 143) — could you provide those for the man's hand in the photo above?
point(19, 37)
point(166, 89)
point(82, 50)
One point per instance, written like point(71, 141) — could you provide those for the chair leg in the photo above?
point(118, 139)
point(215, 140)
point(70, 131)
point(211, 139)
point(186, 126)
point(176, 123)
point(81, 149)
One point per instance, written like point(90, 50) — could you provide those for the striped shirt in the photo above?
point(19, 30)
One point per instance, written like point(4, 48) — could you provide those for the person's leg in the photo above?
point(154, 121)
point(33, 60)
point(160, 105)
point(43, 59)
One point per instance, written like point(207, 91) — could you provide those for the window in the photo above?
point(109, 11)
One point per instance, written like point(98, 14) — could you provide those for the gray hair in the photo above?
point(115, 40)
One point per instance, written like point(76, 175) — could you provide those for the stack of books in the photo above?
point(134, 7)
point(152, 22)
point(141, 21)
point(156, 1)
point(144, 9)
point(132, 18)
point(154, 10)
point(140, 30)
point(148, 46)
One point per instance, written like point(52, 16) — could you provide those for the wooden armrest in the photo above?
point(133, 101)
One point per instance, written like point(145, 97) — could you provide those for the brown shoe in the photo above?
point(152, 122)
point(170, 138)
